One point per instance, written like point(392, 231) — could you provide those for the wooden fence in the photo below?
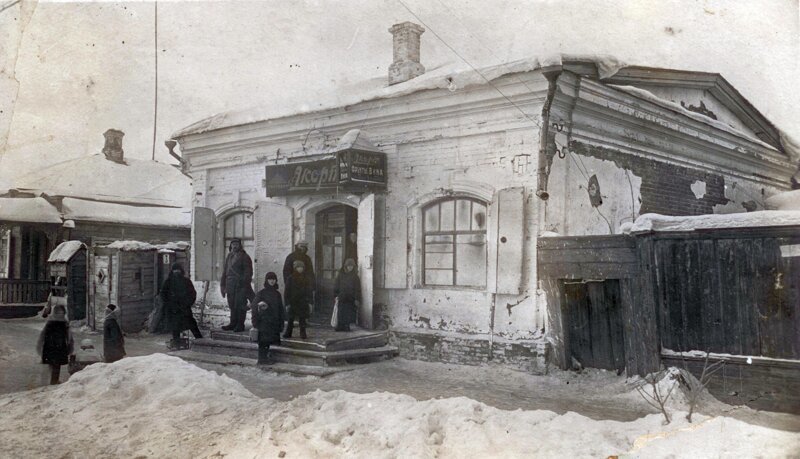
point(23, 291)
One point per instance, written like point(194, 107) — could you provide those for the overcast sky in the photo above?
point(82, 68)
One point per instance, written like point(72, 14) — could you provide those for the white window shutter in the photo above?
point(507, 236)
point(203, 242)
point(273, 234)
point(366, 260)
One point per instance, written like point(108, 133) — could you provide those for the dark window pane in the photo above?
point(436, 277)
point(471, 260)
point(463, 215)
point(447, 215)
point(478, 216)
point(432, 218)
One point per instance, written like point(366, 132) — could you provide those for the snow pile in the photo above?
point(788, 200)
point(6, 351)
point(31, 210)
point(80, 209)
point(650, 97)
point(453, 77)
point(160, 406)
point(64, 251)
point(765, 218)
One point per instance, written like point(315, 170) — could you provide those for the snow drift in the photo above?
point(161, 406)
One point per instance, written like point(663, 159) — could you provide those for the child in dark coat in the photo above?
point(55, 342)
point(268, 317)
point(299, 294)
point(348, 295)
point(113, 340)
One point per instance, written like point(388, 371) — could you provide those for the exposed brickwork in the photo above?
point(528, 357)
point(666, 188)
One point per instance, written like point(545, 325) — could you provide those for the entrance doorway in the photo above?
point(594, 316)
point(335, 241)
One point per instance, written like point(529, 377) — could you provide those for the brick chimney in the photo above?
point(113, 147)
point(405, 38)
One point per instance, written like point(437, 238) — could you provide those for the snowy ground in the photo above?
point(159, 406)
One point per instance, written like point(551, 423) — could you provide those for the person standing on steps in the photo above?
point(237, 275)
point(178, 296)
point(298, 297)
point(348, 295)
point(268, 316)
point(299, 254)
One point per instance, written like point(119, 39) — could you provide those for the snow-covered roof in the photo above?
point(64, 251)
point(451, 76)
point(28, 210)
point(134, 246)
point(95, 177)
point(664, 223)
point(788, 200)
point(106, 212)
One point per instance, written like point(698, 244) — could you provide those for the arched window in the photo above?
point(454, 243)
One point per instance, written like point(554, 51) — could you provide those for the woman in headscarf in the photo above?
point(55, 342)
point(348, 295)
point(178, 295)
point(268, 316)
point(113, 339)
point(299, 294)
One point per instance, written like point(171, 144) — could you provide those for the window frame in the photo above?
point(454, 232)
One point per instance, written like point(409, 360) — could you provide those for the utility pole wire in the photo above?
point(155, 101)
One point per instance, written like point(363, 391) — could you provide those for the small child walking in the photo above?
point(113, 340)
point(55, 342)
point(268, 317)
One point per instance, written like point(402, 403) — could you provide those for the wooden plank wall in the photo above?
point(601, 258)
point(136, 290)
point(728, 292)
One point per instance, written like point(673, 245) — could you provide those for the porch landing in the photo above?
point(324, 348)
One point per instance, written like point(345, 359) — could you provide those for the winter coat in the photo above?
point(299, 295)
point(237, 274)
point(178, 296)
point(288, 267)
point(55, 341)
point(269, 322)
point(348, 290)
point(113, 340)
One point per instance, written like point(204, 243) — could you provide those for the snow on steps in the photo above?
point(324, 348)
point(297, 370)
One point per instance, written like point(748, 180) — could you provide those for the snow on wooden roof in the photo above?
point(97, 178)
point(65, 251)
point(788, 200)
point(665, 223)
point(106, 212)
point(136, 246)
point(28, 210)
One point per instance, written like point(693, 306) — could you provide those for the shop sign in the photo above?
point(349, 171)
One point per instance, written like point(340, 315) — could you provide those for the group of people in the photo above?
point(269, 309)
point(56, 345)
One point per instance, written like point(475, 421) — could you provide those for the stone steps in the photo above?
point(286, 353)
point(288, 368)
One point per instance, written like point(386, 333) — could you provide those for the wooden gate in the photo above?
point(595, 332)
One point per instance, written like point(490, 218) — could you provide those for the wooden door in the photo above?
point(332, 228)
point(595, 333)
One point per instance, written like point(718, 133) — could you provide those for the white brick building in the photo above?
point(478, 165)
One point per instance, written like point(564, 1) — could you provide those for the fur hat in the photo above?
point(177, 267)
point(271, 275)
point(302, 242)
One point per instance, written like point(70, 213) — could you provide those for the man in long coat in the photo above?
point(178, 295)
point(237, 276)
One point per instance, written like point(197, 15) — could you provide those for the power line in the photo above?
point(155, 97)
